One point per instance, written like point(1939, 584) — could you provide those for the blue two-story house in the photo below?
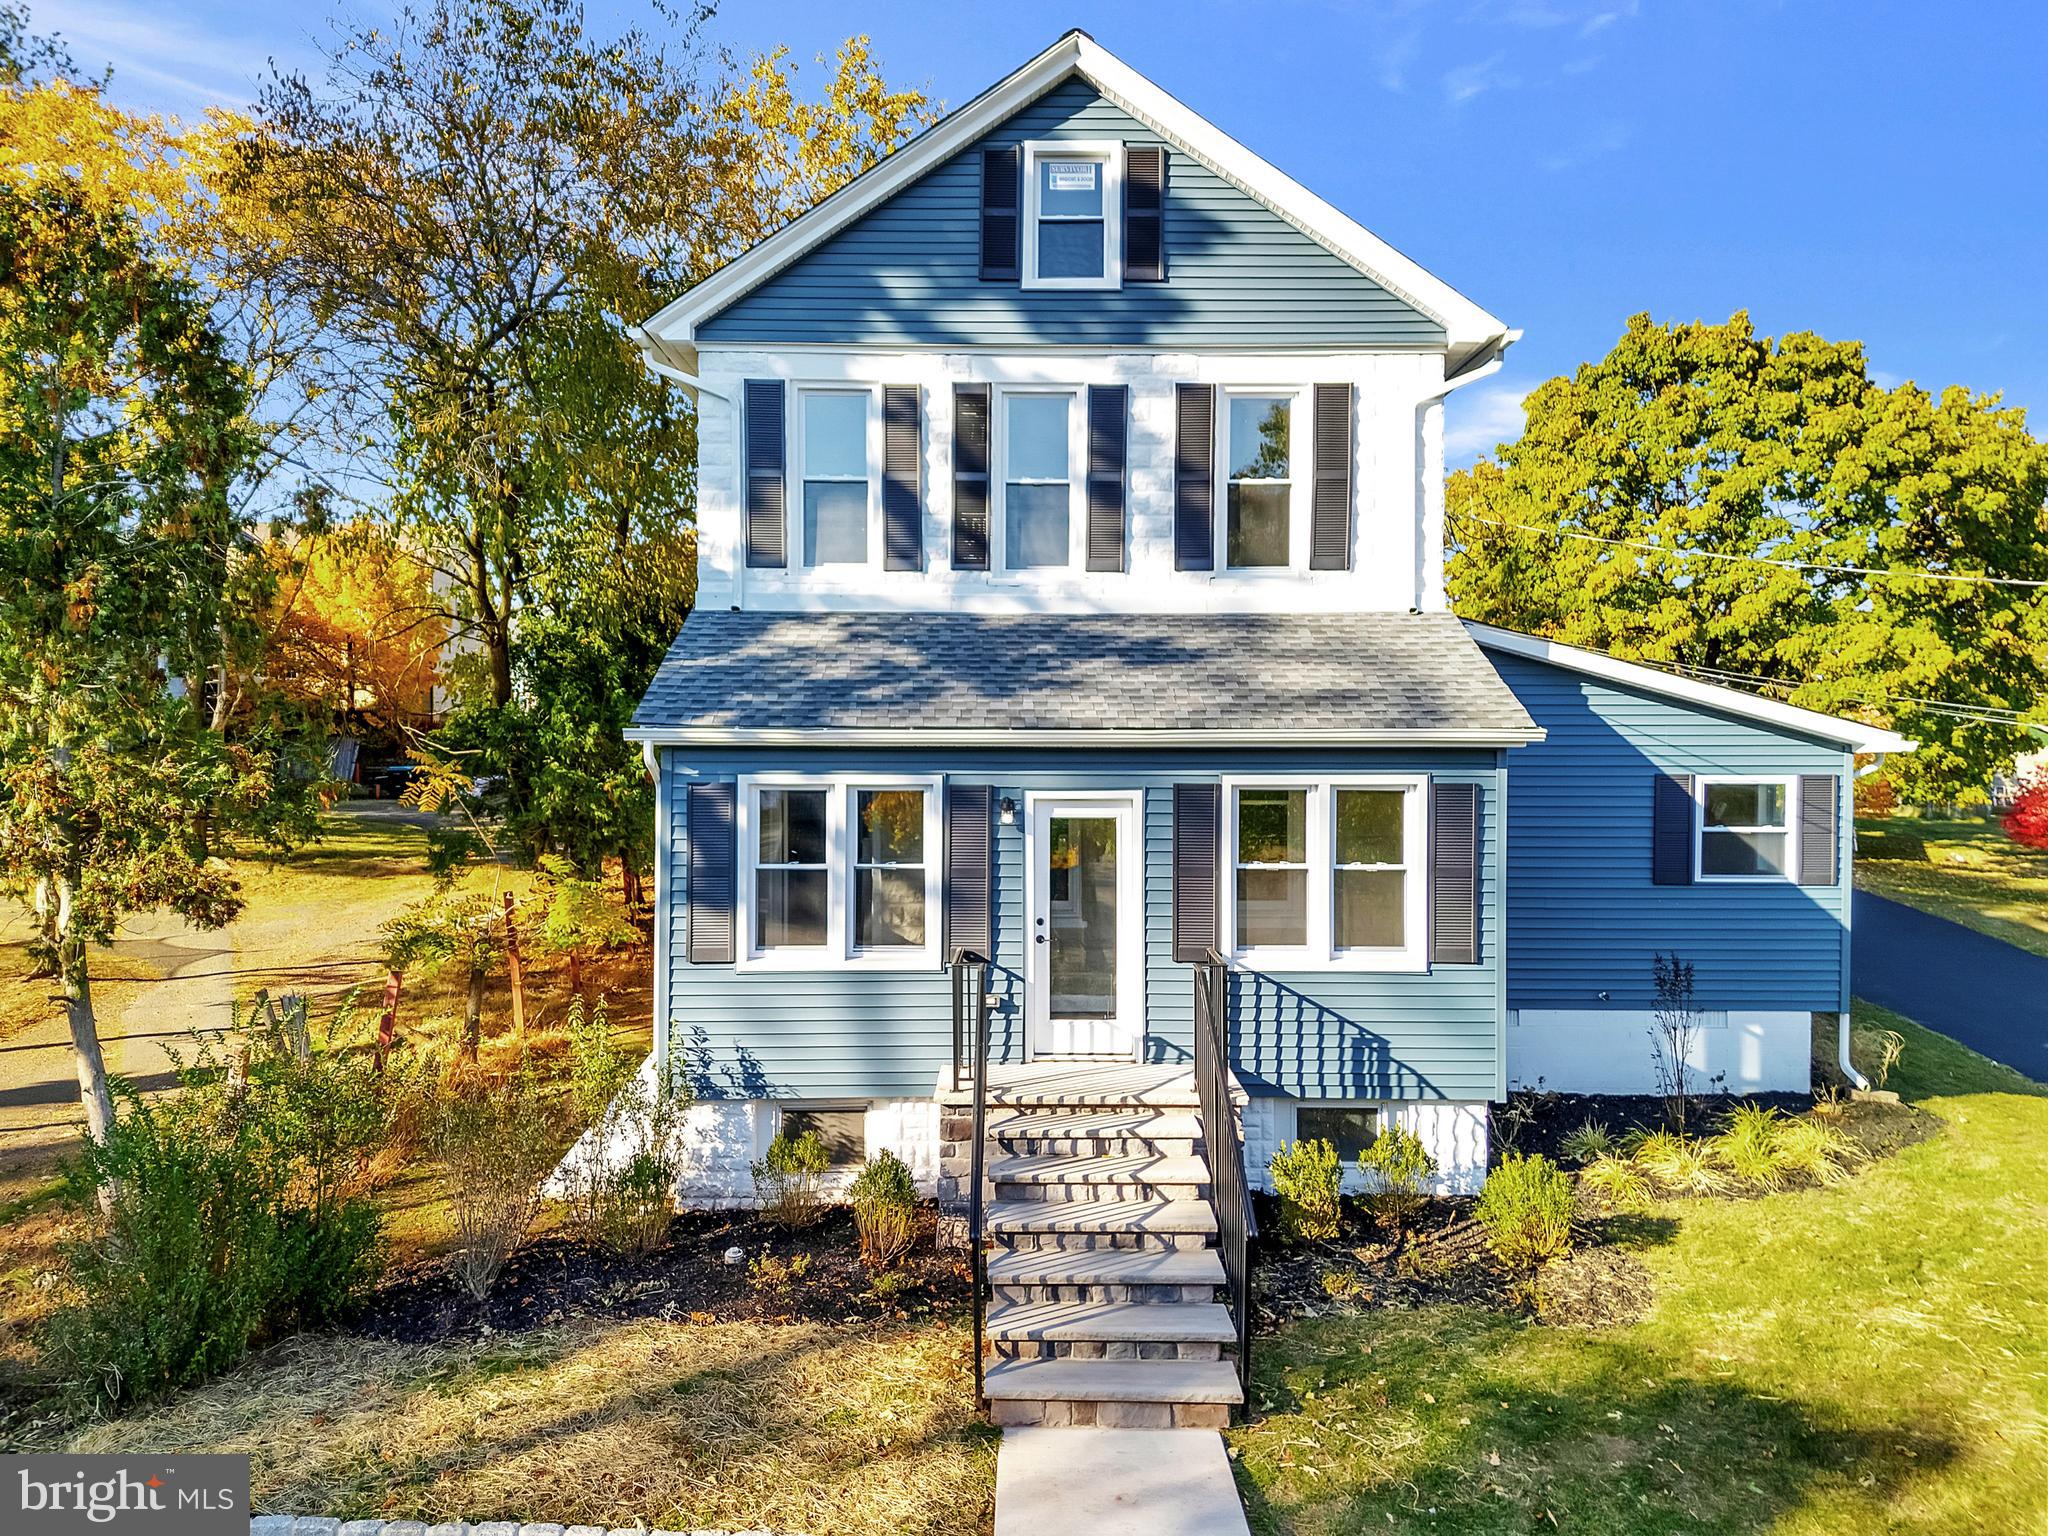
point(1070, 592)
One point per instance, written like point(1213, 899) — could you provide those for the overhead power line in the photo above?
point(1783, 565)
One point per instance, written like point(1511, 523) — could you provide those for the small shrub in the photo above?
point(789, 1179)
point(1398, 1168)
point(1680, 1165)
point(1876, 798)
point(1345, 1285)
point(1883, 1049)
point(890, 1284)
point(237, 1211)
point(884, 1210)
point(498, 1142)
point(2027, 822)
point(1590, 1142)
point(1814, 1149)
point(1306, 1175)
point(769, 1273)
point(1616, 1183)
point(622, 1184)
point(1526, 1208)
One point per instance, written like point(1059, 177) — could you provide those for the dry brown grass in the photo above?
point(730, 1426)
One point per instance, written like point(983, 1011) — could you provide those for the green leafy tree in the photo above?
point(1612, 521)
point(462, 931)
point(122, 428)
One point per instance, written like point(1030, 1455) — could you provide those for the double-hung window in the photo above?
point(1073, 207)
point(1258, 493)
point(836, 499)
point(1746, 829)
point(1038, 479)
point(839, 869)
point(1327, 873)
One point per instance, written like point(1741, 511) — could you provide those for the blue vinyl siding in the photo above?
point(908, 273)
point(1583, 917)
point(842, 1033)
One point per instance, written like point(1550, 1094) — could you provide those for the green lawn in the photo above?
point(1967, 871)
point(1868, 1358)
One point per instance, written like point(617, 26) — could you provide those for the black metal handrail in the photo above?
point(1234, 1220)
point(971, 1041)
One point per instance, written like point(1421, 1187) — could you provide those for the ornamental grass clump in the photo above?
point(1590, 1142)
point(884, 1210)
point(1815, 1150)
point(1750, 1147)
point(1306, 1176)
point(1680, 1165)
point(1397, 1169)
point(1615, 1183)
point(1526, 1207)
point(790, 1179)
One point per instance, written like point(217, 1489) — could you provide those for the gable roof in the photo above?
point(1115, 680)
point(669, 337)
point(1853, 734)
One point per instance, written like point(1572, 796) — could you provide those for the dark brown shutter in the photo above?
point(1194, 478)
point(970, 477)
point(969, 918)
point(766, 523)
point(1002, 195)
point(1329, 546)
point(710, 829)
point(1672, 812)
point(1145, 214)
point(1819, 817)
point(1108, 413)
point(1197, 823)
point(902, 506)
point(1454, 874)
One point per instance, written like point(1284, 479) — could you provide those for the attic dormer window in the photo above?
point(1073, 202)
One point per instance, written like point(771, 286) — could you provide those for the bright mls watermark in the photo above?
point(127, 1495)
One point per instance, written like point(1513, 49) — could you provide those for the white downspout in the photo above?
point(1856, 1079)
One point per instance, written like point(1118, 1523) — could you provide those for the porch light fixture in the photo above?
point(1009, 810)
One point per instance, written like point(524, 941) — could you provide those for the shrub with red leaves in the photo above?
point(2027, 822)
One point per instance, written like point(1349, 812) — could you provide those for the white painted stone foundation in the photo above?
point(1610, 1050)
point(723, 1138)
point(1454, 1133)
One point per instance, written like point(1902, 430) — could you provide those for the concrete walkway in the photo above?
point(1991, 995)
point(1116, 1482)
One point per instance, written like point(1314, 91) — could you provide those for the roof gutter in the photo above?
point(651, 736)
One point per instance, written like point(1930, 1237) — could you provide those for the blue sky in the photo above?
point(1876, 171)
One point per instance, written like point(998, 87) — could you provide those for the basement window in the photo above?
point(1344, 1126)
point(842, 1128)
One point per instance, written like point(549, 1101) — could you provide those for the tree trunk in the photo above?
point(387, 1025)
point(516, 969)
point(85, 1051)
point(472, 1018)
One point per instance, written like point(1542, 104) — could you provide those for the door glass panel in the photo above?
point(1080, 919)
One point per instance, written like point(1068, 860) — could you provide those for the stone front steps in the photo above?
point(1102, 1265)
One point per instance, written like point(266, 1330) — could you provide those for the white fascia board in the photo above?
point(672, 330)
point(855, 736)
point(1853, 734)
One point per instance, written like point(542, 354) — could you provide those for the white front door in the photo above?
point(1085, 958)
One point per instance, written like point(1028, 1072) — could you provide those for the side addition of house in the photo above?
point(1071, 620)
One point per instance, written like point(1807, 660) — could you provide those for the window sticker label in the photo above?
point(1071, 175)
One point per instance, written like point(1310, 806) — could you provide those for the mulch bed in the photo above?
point(688, 1278)
point(1539, 1122)
point(1444, 1258)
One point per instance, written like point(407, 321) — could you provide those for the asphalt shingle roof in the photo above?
point(934, 672)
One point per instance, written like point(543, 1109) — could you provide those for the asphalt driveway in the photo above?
point(1980, 990)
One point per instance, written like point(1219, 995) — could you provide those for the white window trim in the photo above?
point(1321, 953)
point(1111, 153)
point(999, 483)
point(1298, 485)
point(839, 951)
point(1700, 786)
point(794, 510)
